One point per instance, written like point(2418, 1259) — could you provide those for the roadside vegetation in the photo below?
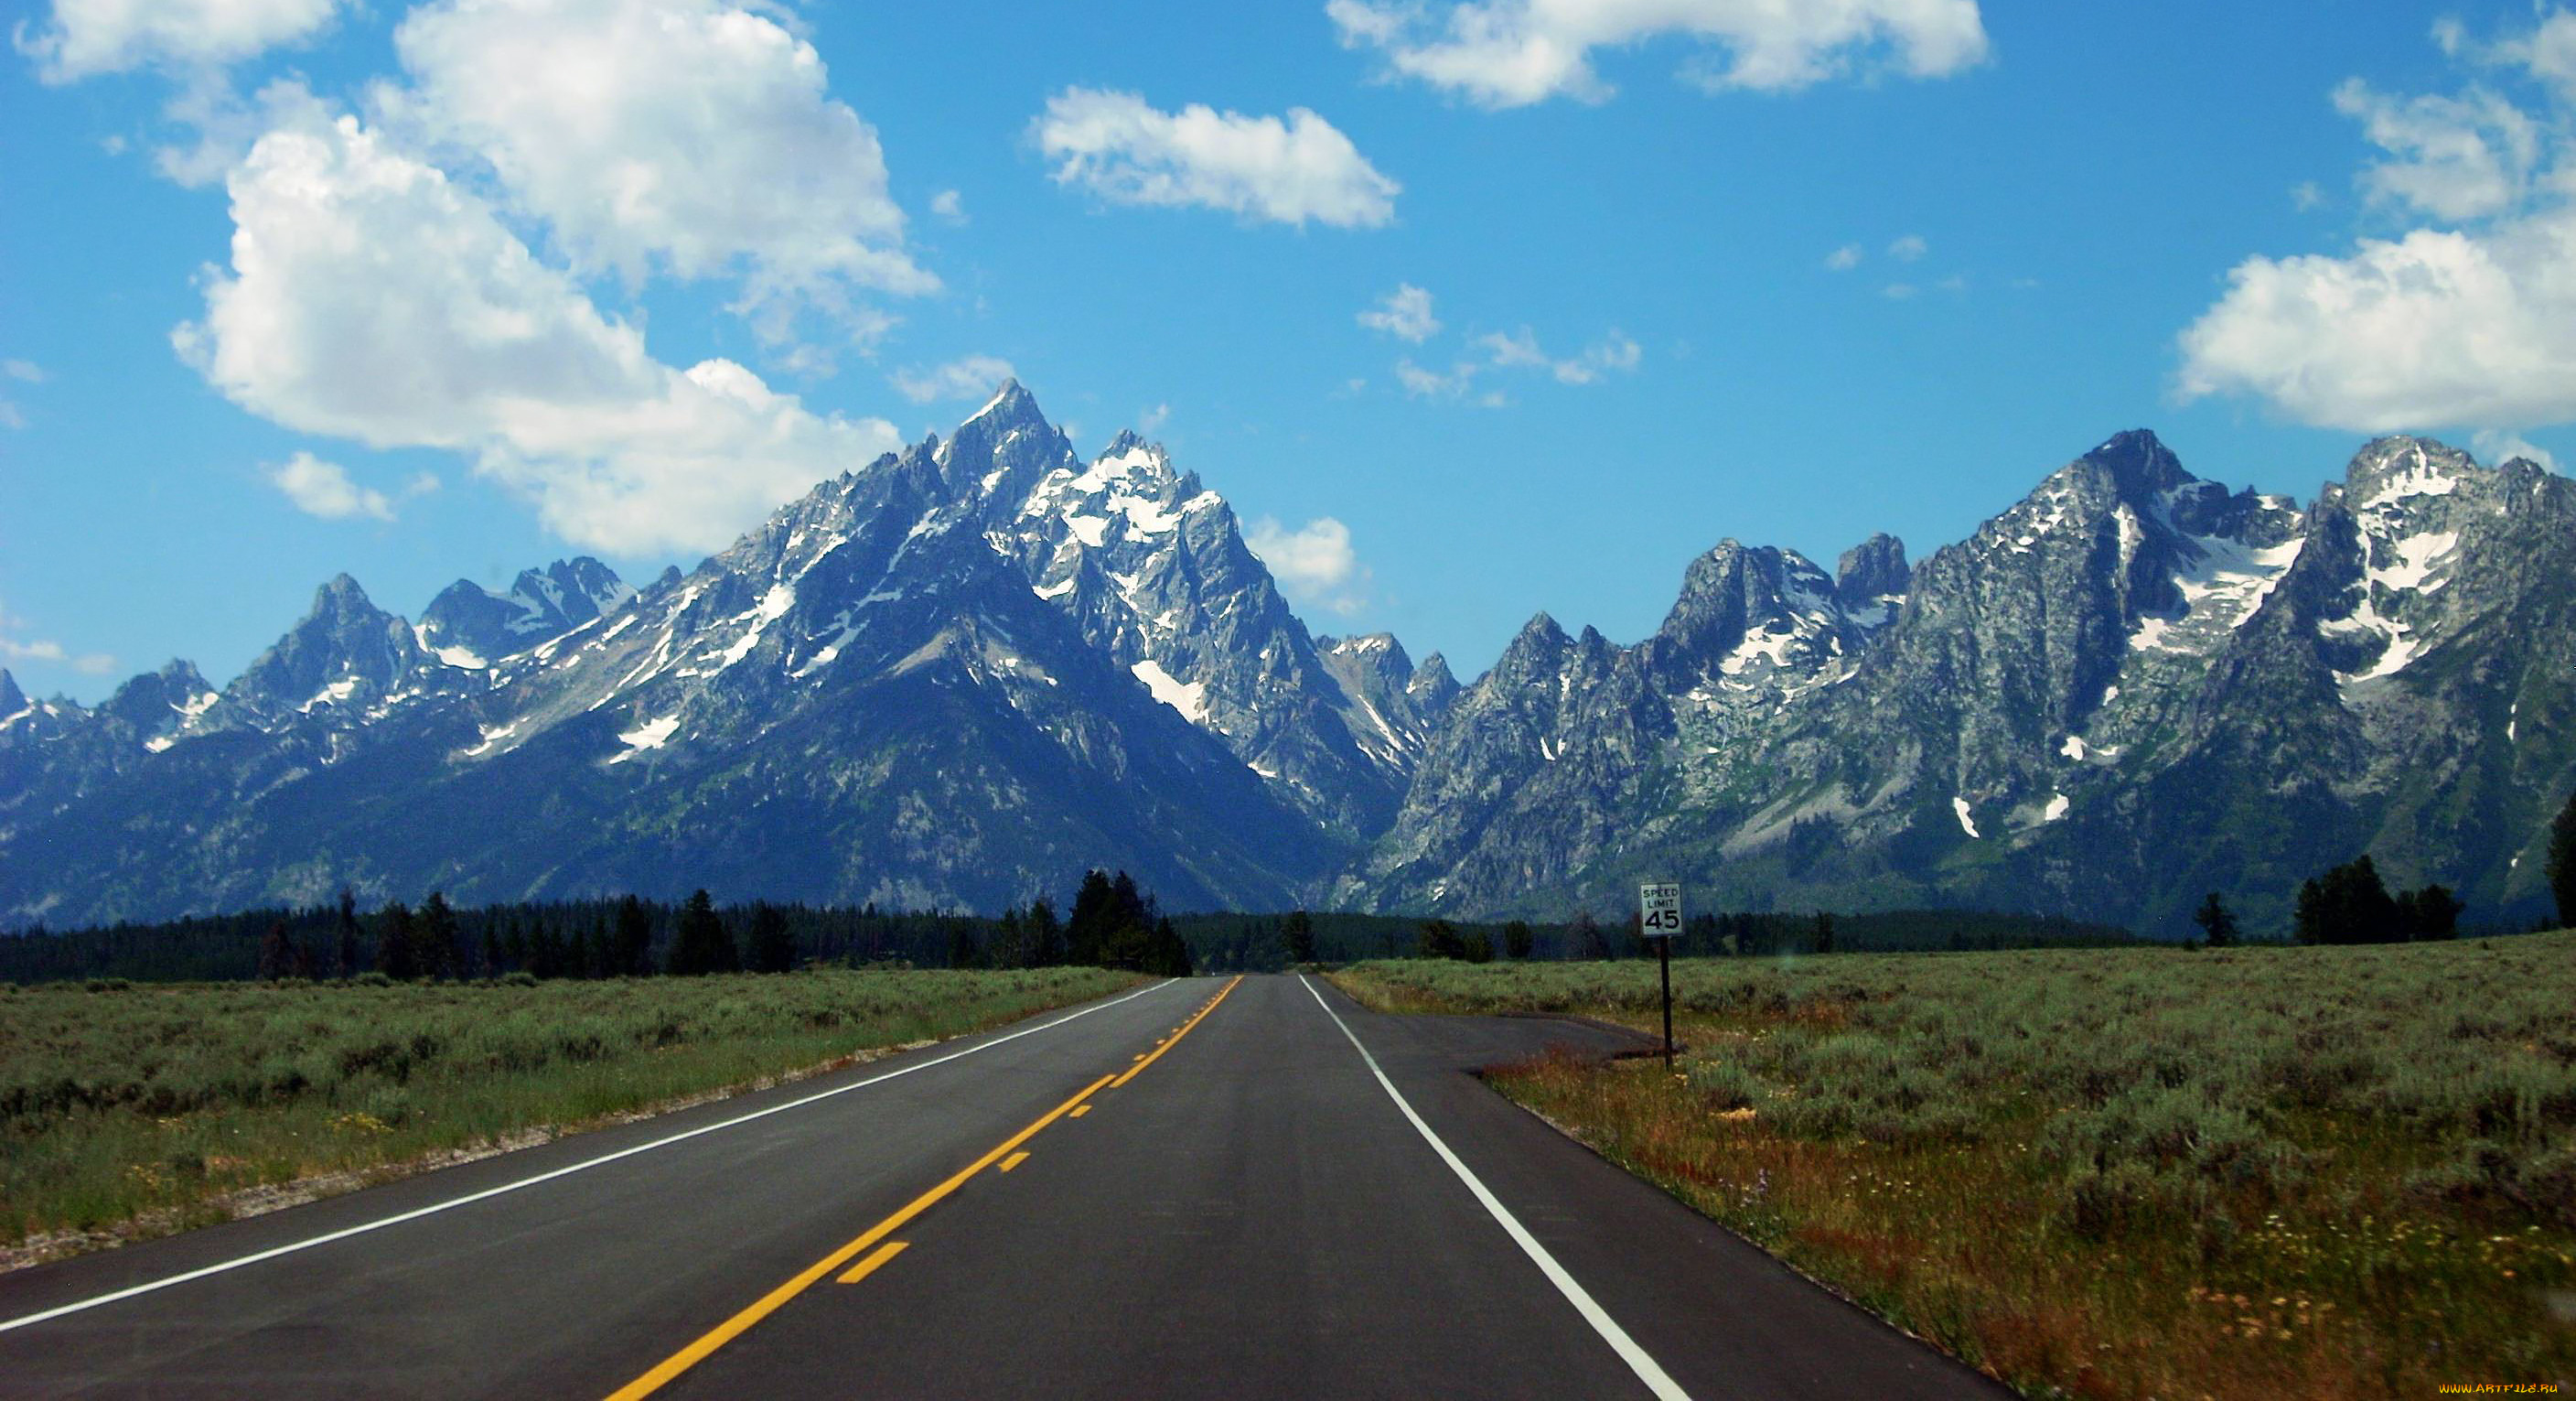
point(2241, 1172)
point(131, 1109)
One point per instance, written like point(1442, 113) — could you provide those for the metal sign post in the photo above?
point(1659, 917)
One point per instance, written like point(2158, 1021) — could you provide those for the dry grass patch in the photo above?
point(134, 1110)
point(2256, 1173)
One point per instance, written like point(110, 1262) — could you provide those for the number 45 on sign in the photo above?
point(1659, 917)
point(1660, 910)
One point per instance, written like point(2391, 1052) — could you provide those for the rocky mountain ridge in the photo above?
point(968, 670)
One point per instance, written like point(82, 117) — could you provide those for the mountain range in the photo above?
point(960, 675)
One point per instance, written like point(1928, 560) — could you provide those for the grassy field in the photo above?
point(2273, 1172)
point(135, 1110)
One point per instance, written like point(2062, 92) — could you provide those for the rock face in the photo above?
point(957, 676)
point(2131, 688)
point(468, 626)
point(965, 672)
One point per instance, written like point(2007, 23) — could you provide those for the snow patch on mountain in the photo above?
point(652, 734)
point(1190, 699)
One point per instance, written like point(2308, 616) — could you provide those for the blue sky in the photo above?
point(291, 287)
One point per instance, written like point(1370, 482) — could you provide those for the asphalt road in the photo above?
point(1292, 1197)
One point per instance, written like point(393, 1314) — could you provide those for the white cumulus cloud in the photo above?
point(1844, 259)
point(372, 298)
point(1510, 53)
point(319, 488)
point(2469, 323)
point(949, 205)
point(89, 37)
point(969, 377)
point(1910, 248)
point(1120, 148)
point(2451, 158)
point(1405, 314)
point(692, 137)
point(1313, 563)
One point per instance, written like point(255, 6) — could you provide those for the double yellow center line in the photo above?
point(875, 1236)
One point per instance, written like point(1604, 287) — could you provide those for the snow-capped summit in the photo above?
point(345, 657)
point(471, 627)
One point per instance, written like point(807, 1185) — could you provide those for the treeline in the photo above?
point(1261, 943)
point(1112, 923)
point(2350, 905)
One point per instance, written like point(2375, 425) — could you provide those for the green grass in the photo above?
point(2267, 1172)
point(132, 1110)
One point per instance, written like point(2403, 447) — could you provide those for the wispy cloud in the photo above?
point(1909, 248)
point(1405, 314)
point(15, 646)
point(1844, 259)
point(1510, 53)
point(1287, 171)
point(968, 377)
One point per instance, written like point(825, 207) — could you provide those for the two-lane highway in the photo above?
point(1207, 1187)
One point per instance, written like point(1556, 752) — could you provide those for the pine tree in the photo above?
point(346, 965)
point(1438, 938)
point(701, 944)
point(1165, 953)
point(1009, 946)
point(2310, 925)
point(2216, 923)
point(2562, 862)
point(1583, 937)
point(435, 938)
point(962, 952)
point(1518, 940)
point(773, 947)
point(1046, 934)
point(546, 951)
point(491, 950)
point(2430, 913)
point(1478, 947)
point(1092, 920)
point(395, 956)
point(631, 955)
point(1297, 933)
point(1824, 932)
point(276, 954)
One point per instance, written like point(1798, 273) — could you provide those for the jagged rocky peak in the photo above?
point(1433, 688)
point(158, 701)
point(2399, 466)
point(344, 647)
point(1735, 589)
point(1871, 573)
point(1371, 664)
point(471, 626)
point(13, 702)
point(2139, 466)
point(1003, 449)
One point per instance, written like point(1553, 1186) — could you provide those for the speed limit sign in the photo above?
point(1659, 908)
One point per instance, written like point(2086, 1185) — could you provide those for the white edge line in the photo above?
point(1648, 1371)
point(583, 1166)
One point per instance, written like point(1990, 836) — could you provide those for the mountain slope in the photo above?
point(862, 699)
point(967, 671)
point(2130, 688)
